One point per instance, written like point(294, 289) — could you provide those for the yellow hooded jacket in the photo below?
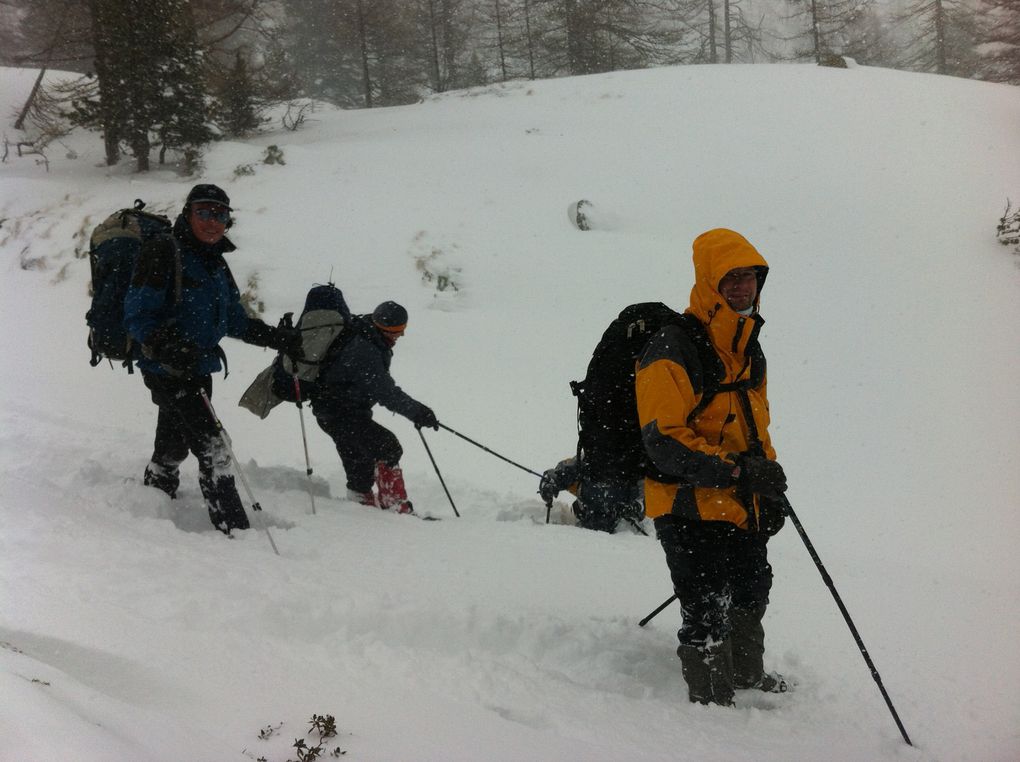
point(698, 452)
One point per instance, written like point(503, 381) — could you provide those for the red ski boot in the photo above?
point(392, 492)
point(365, 498)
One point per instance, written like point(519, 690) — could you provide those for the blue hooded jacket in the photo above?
point(209, 307)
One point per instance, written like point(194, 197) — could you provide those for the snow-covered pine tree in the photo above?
point(237, 105)
point(151, 77)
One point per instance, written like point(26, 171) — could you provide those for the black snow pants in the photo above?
point(361, 443)
point(184, 424)
point(720, 574)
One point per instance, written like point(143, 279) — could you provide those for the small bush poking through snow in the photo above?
point(1008, 231)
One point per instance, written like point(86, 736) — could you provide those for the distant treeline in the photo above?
point(176, 74)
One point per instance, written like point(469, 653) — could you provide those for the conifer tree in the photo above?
point(150, 77)
point(1000, 43)
point(238, 112)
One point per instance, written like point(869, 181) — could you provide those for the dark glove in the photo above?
point(760, 475)
point(288, 341)
point(426, 419)
point(166, 346)
point(771, 514)
point(547, 487)
point(283, 339)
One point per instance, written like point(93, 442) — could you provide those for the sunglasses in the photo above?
point(220, 215)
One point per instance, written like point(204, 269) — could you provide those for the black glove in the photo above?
point(288, 341)
point(547, 487)
point(283, 339)
point(258, 333)
point(426, 419)
point(166, 347)
point(771, 514)
point(760, 475)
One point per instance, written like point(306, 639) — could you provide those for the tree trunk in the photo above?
point(499, 42)
point(815, 32)
point(727, 35)
point(437, 84)
point(20, 124)
point(451, 75)
point(140, 147)
point(109, 121)
point(366, 76)
point(713, 56)
point(940, 38)
point(531, 46)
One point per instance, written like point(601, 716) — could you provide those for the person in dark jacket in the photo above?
point(600, 504)
point(722, 496)
point(349, 385)
point(182, 302)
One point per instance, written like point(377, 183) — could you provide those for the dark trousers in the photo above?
point(184, 424)
point(722, 578)
point(361, 443)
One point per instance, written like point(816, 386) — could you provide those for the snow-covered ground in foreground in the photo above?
point(129, 630)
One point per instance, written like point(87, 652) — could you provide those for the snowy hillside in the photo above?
point(130, 630)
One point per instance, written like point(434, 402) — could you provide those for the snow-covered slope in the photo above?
point(131, 631)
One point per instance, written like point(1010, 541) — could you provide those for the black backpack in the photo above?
point(113, 249)
point(609, 440)
point(326, 323)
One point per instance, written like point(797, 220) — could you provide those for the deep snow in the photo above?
point(132, 631)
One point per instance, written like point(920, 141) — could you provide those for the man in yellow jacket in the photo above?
point(714, 497)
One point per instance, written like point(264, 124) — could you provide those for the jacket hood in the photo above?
point(716, 252)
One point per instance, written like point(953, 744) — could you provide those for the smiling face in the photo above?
point(739, 287)
point(208, 221)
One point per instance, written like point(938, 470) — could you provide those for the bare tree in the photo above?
point(827, 25)
point(589, 36)
point(515, 35)
point(941, 37)
point(704, 27)
point(445, 35)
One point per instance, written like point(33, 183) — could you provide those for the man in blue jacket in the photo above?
point(181, 303)
point(348, 387)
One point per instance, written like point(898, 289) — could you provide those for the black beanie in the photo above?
point(390, 316)
point(213, 194)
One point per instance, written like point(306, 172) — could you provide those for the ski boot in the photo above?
point(392, 491)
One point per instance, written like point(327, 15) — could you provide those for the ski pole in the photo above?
point(491, 452)
point(429, 451)
point(304, 438)
point(287, 322)
point(225, 438)
point(636, 525)
point(846, 614)
point(655, 613)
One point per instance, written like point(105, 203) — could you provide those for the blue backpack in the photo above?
point(325, 324)
point(113, 249)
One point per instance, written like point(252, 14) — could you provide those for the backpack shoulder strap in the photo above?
point(711, 365)
point(178, 269)
point(712, 368)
